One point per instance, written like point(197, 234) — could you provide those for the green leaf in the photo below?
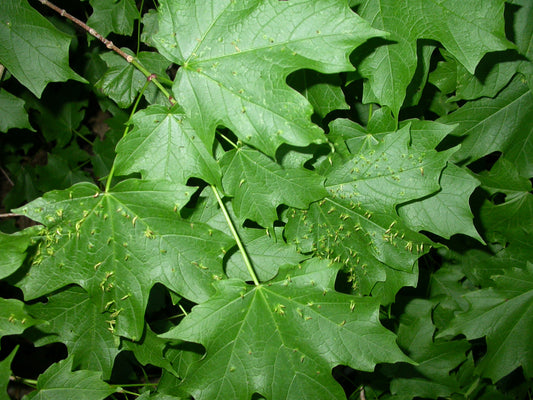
point(258, 185)
point(436, 358)
point(447, 212)
point(372, 247)
point(13, 113)
point(513, 218)
point(266, 254)
point(13, 249)
point(59, 122)
point(122, 81)
point(522, 33)
point(31, 48)
point(504, 314)
point(59, 382)
point(73, 319)
point(481, 122)
point(150, 350)
point(386, 172)
point(115, 16)
point(13, 317)
point(468, 34)
point(58, 174)
point(358, 224)
point(233, 68)
point(5, 372)
point(291, 332)
point(493, 73)
point(118, 244)
point(163, 145)
point(322, 91)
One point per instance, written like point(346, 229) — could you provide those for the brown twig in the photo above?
point(7, 176)
point(108, 43)
point(10, 215)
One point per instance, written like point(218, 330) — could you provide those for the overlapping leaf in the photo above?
point(431, 378)
point(5, 371)
point(13, 113)
point(73, 319)
point(481, 122)
point(13, 317)
point(150, 350)
point(163, 145)
point(512, 219)
point(118, 244)
point(266, 254)
point(467, 32)
point(266, 249)
point(122, 81)
point(504, 315)
point(291, 332)
point(258, 185)
point(447, 212)
point(358, 224)
point(59, 382)
point(322, 91)
point(113, 16)
point(33, 62)
point(13, 249)
point(235, 56)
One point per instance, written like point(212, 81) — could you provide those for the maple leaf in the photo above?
point(13, 249)
point(118, 244)
point(13, 113)
point(481, 121)
point(59, 382)
point(258, 185)
point(510, 220)
point(122, 81)
point(5, 370)
point(504, 315)
point(73, 319)
point(113, 16)
point(468, 35)
point(447, 212)
point(234, 60)
point(357, 223)
point(431, 378)
point(163, 145)
point(291, 331)
point(266, 253)
point(34, 63)
point(13, 317)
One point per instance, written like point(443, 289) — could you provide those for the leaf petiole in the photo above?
point(126, 130)
point(244, 254)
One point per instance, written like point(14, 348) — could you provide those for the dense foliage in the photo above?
point(270, 199)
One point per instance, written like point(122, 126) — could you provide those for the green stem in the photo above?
point(153, 78)
point(139, 28)
point(137, 384)
point(182, 309)
point(129, 392)
point(27, 382)
point(82, 137)
point(227, 140)
point(112, 171)
point(236, 237)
